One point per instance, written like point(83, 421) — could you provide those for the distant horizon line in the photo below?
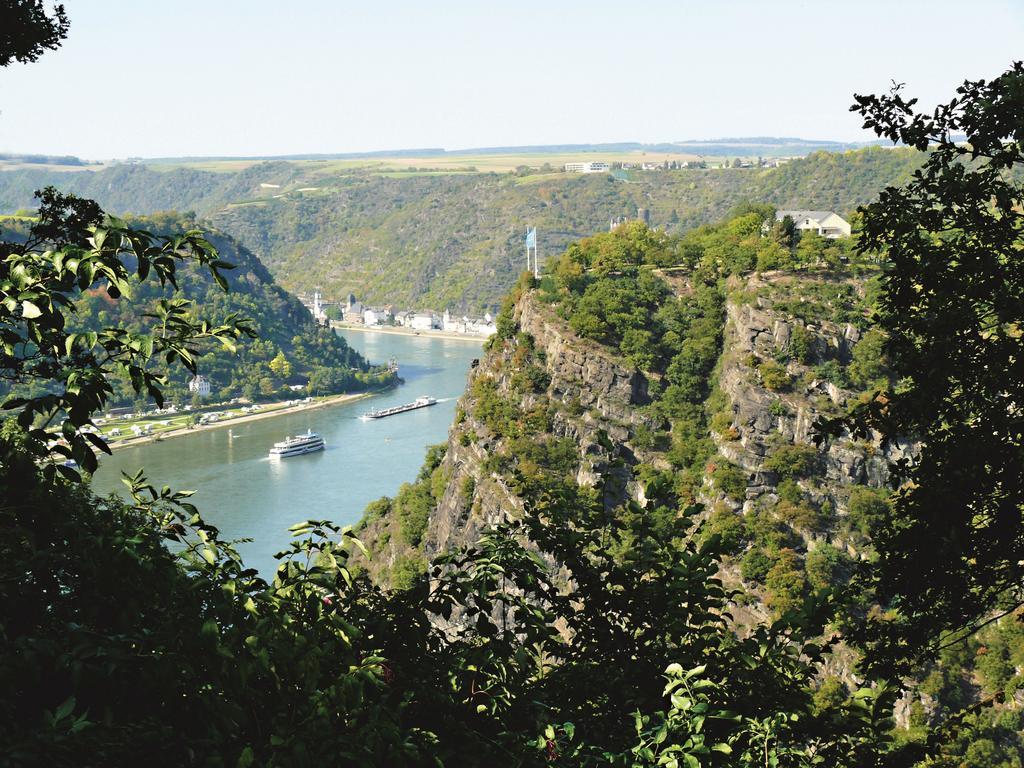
point(720, 144)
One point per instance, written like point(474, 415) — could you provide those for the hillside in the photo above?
point(642, 389)
point(422, 238)
point(306, 354)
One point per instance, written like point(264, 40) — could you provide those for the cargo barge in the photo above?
point(419, 402)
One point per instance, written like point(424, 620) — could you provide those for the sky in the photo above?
point(254, 77)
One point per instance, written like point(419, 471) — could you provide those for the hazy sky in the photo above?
point(240, 77)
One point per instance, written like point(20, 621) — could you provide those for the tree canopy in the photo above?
point(27, 31)
point(952, 552)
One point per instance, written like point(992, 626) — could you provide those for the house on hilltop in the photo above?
point(595, 166)
point(825, 223)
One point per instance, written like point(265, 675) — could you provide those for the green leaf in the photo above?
point(66, 708)
point(245, 759)
point(29, 310)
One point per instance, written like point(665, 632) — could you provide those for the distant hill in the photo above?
point(458, 240)
point(763, 145)
point(768, 146)
point(7, 157)
point(432, 239)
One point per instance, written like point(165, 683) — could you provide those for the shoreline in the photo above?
point(397, 330)
point(161, 436)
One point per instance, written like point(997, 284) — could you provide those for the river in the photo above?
point(246, 495)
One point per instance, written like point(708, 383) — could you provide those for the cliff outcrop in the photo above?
point(601, 412)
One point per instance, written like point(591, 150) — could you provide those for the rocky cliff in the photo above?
point(583, 401)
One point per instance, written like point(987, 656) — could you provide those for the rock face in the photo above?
point(595, 401)
point(765, 419)
point(586, 395)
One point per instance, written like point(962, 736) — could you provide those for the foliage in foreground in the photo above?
point(114, 647)
point(951, 553)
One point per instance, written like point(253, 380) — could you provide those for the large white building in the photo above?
point(376, 315)
point(199, 385)
point(423, 321)
point(467, 325)
point(825, 223)
point(591, 167)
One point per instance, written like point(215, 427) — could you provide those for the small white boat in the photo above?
point(298, 445)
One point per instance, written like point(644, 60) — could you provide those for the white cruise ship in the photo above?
point(295, 446)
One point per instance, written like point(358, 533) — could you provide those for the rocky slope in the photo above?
point(548, 413)
point(585, 396)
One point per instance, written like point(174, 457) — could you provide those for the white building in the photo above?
point(423, 321)
point(375, 316)
point(485, 328)
point(591, 167)
point(452, 324)
point(199, 385)
point(318, 308)
point(826, 223)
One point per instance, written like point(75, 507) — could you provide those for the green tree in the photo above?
point(786, 583)
point(71, 251)
point(952, 549)
point(868, 366)
point(27, 31)
point(280, 366)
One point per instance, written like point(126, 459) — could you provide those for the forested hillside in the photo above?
point(437, 240)
point(289, 348)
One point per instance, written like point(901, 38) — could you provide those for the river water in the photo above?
point(246, 495)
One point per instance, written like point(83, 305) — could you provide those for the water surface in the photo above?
point(247, 495)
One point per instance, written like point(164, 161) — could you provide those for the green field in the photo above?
point(440, 164)
point(397, 165)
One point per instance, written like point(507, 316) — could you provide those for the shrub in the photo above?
point(788, 490)
point(826, 566)
point(467, 489)
point(412, 506)
point(774, 376)
point(791, 461)
point(721, 422)
point(755, 566)
point(376, 510)
point(830, 696)
point(439, 482)
point(869, 366)
point(729, 526)
point(867, 507)
point(729, 479)
point(492, 408)
point(801, 344)
point(831, 371)
point(786, 583)
point(799, 515)
point(406, 570)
